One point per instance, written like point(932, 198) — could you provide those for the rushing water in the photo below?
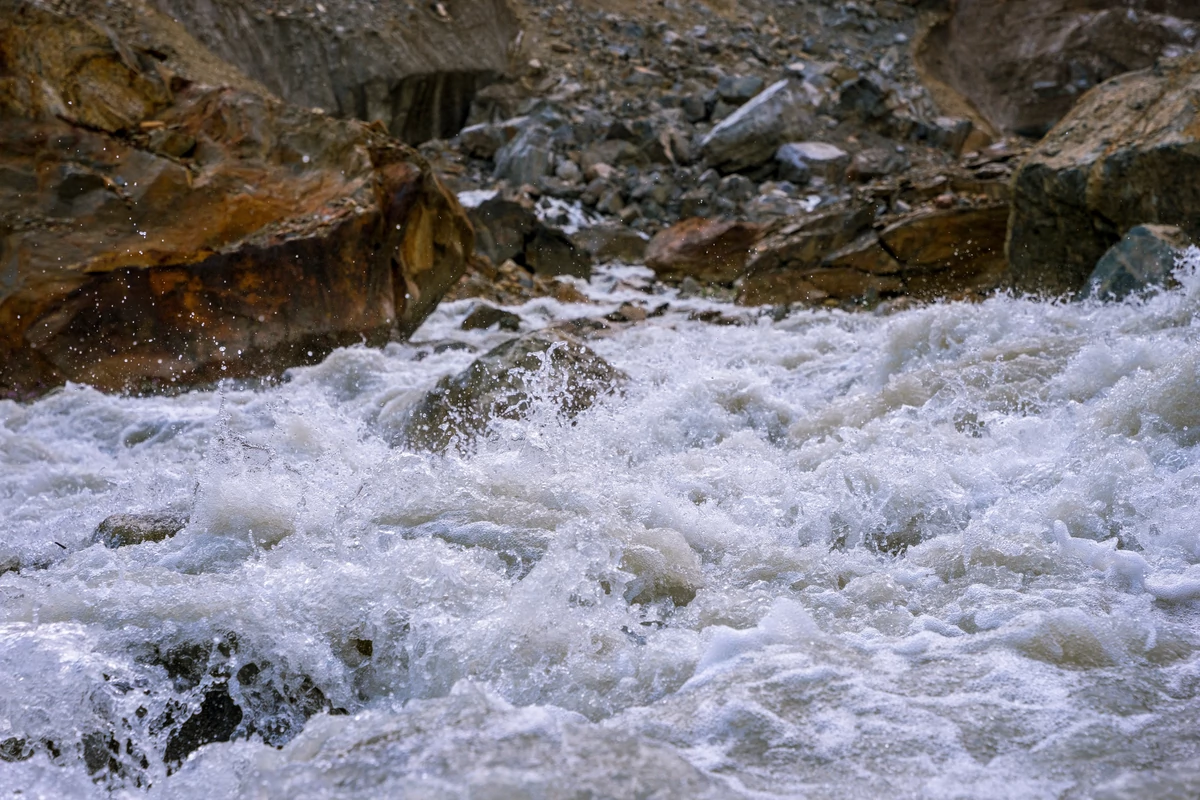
point(948, 552)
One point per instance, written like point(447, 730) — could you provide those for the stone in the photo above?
point(644, 78)
point(798, 161)
point(949, 133)
point(737, 188)
point(124, 530)
point(482, 140)
point(567, 170)
point(528, 158)
point(1127, 154)
point(502, 227)
point(550, 252)
point(547, 365)
point(1144, 258)
point(484, 316)
point(737, 89)
point(986, 61)
point(752, 134)
point(416, 73)
point(286, 233)
point(612, 153)
point(612, 242)
point(947, 252)
point(876, 162)
point(709, 251)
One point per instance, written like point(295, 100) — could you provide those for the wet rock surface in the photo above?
point(166, 222)
point(123, 530)
point(1125, 156)
point(1143, 259)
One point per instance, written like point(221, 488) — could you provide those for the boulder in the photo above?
point(503, 383)
point(709, 251)
point(122, 530)
point(737, 89)
point(750, 136)
point(1145, 257)
point(484, 316)
point(838, 256)
point(528, 158)
point(612, 242)
point(551, 252)
point(987, 62)
point(408, 66)
point(799, 161)
point(502, 226)
point(274, 236)
point(1127, 154)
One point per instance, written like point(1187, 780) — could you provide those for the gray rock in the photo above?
point(484, 316)
point(482, 140)
point(1145, 257)
point(818, 159)
point(568, 171)
point(612, 242)
point(504, 383)
point(502, 227)
point(527, 158)
point(549, 252)
point(737, 89)
point(123, 530)
point(876, 162)
point(949, 133)
point(737, 188)
point(694, 108)
point(752, 134)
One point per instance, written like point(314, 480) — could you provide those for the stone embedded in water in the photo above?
point(123, 530)
point(503, 383)
point(484, 316)
point(1145, 257)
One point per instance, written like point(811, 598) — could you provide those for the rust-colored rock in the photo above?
point(1127, 155)
point(164, 220)
point(710, 251)
point(837, 255)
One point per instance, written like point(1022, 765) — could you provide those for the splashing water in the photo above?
point(949, 552)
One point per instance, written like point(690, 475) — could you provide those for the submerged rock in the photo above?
point(1145, 257)
point(504, 382)
point(284, 234)
point(1128, 154)
point(122, 530)
point(484, 316)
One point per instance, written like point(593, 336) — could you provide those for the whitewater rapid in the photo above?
point(947, 552)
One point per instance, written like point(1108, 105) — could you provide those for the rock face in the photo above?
point(164, 220)
point(749, 136)
point(1022, 77)
point(1128, 154)
point(503, 383)
point(839, 256)
point(709, 251)
point(1144, 258)
point(414, 67)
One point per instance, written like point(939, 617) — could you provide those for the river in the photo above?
point(947, 552)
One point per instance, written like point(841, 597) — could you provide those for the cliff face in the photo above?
point(166, 220)
point(415, 67)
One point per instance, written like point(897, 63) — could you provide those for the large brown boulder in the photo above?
point(416, 67)
point(840, 256)
point(164, 220)
point(708, 250)
point(1128, 154)
point(1018, 66)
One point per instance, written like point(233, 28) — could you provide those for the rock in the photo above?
point(663, 565)
point(612, 242)
point(737, 188)
point(285, 234)
point(643, 77)
point(949, 133)
point(876, 162)
point(484, 316)
point(628, 312)
point(709, 251)
point(1145, 257)
point(948, 252)
point(567, 170)
point(415, 72)
point(502, 227)
point(737, 89)
point(752, 134)
point(123, 530)
point(551, 252)
point(819, 159)
point(611, 153)
point(1128, 154)
point(503, 383)
point(482, 140)
point(527, 158)
point(694, 108)
point(988, 63)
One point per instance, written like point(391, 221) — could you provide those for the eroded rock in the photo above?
point(123, 530)
point(709, 251)
point(284, 234)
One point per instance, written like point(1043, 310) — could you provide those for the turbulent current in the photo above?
point(951, 551)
